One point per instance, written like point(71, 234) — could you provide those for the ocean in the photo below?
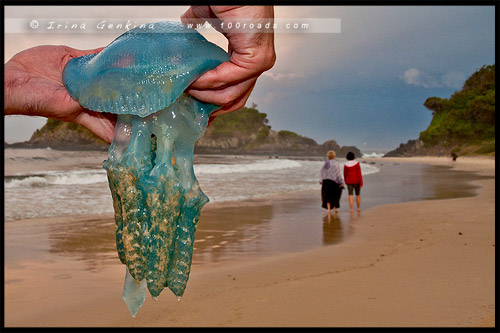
point(223, 178)
point(264, 205)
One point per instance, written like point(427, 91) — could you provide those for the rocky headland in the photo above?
point(463, 124)
point(242, 132)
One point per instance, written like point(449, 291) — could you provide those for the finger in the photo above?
point(235, 106)
point(78, 53)
point(211, 119)
point(195, 14)
point(222, 76)
point(100, 124)
point(224, 96)
point(187, 15)
point(75, 53)
point(92, 51)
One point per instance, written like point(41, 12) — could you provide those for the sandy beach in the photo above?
point(427, 263)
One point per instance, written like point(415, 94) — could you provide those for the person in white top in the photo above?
point(332, 183)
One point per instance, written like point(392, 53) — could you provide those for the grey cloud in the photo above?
point(414, 76)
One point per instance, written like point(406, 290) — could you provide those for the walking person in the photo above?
point(353, 179)
point(332, 183)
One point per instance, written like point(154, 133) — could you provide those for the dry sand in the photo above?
point(427, 263)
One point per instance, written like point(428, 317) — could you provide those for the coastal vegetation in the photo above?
point(245, 122)
point(60, 134)
point(246, 131)
point(463, 124)
point(465, 121)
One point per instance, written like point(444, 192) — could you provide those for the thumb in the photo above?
point(75, 53)
point(196, 14)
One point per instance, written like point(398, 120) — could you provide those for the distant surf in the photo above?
point(49, 178)
point(372, 155)
point(55, 193)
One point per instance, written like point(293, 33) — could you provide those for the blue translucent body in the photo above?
point(142, 71)
point(157, 200)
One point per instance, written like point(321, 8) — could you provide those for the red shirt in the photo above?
point(352, 173)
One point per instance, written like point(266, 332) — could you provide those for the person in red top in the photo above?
point(353, 179)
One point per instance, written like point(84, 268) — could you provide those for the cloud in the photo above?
point(453, 79)
point(274, 96)
point(283, 76)
point(414, 76)
point(418, 78)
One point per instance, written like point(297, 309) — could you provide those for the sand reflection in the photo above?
point(92, 241)
point(226, 233)
point(265, 227)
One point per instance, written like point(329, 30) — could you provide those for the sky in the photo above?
point(362, 85)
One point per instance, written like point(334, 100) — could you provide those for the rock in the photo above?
point(263, 141)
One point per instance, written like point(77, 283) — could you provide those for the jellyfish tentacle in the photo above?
point(117, 207)
point(121, 138)
point(134, 217)
point(137, 156)
point(165, 210)
point(194, 198)
point(182, 256)
point(134, 213)
point(114, 172)
point(163, 201)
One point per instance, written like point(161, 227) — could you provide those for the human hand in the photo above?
point(33, 87)
point(251, 54)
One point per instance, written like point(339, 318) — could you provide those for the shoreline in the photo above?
point(423, 269)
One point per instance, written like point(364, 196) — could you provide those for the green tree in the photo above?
point(468, 115)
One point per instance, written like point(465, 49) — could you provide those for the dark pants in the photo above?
point(330, 192)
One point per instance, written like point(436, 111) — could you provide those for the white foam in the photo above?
point(264, 165)
point(372, 155)
point(87, 191)
point(26, 182)
point(74, 177)
point(367, 169)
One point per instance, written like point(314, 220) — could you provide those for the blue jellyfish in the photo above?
point(141, 76)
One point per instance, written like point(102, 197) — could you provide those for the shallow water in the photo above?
point(280, 211)
point(223, 178)
point(298, 223)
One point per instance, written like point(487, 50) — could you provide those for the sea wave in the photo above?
point(264, 165)
point(367, 169)
point(85, 177)
point(73, 177)
point(94, 176)
point(87, 191)
point(372, 155)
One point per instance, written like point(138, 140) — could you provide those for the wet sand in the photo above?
point(417, 263)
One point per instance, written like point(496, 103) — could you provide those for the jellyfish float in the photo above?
point(141, 76)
